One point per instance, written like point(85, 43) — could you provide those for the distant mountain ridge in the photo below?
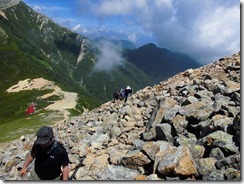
point(160, 63)
point(124, 44)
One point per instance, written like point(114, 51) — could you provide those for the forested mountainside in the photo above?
point(34, 46)
point(184, 128)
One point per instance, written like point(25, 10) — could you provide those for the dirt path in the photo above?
point(68, 99)
point(67, 102)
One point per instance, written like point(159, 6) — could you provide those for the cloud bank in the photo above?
point(206, 30)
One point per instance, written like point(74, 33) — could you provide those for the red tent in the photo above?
point(31, 109)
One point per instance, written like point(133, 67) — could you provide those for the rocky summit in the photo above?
point(184, 128)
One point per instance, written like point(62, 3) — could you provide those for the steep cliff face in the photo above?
point(184, 128)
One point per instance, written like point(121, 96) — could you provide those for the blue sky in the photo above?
point(205, 30)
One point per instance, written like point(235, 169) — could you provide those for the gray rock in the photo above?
point(232, 174)
point(216, 175)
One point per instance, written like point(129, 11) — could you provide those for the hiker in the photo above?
point(49, 156)
point(31, 109)
point(116, 96)
point(126, 92)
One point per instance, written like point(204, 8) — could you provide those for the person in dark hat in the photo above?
point(49, 155)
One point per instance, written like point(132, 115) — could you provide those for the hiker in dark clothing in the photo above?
point(126, 92)
point(49, 157)
point(117, 96)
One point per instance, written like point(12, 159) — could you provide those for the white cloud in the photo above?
point(220, 28)
point(112, 8)
point(110, 56)
point(81, 29)
point(47, 9)
point(37, 9)
point(205, 29)
point(202, 29)
point(76, 28)
point(132, 37)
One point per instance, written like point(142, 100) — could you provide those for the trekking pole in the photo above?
point(77, 167)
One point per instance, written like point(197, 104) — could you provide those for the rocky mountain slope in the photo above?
point(184, 128)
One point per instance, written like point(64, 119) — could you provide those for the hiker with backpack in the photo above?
point(116, 96)
point(49, 156)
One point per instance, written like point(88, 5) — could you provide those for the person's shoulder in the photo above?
point(36, 146)
point(60, 146)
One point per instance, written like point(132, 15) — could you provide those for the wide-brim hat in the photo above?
point(44, 134)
